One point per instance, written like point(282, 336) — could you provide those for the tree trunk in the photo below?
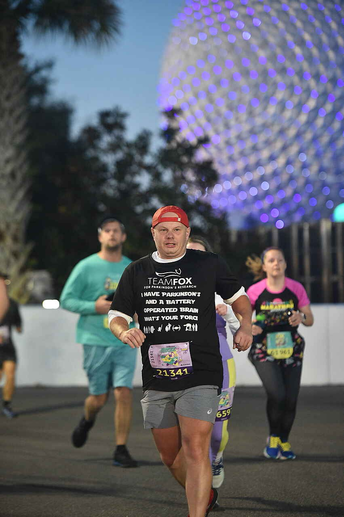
point(14, 178)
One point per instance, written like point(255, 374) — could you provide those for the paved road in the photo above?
point(42, 475)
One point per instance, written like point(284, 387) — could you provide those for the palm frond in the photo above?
point(94, 22)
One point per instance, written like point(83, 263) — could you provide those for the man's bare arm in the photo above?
point(4, 304)
point(120, 328)
point(242, 339)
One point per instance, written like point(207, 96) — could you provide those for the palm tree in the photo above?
point(94, 22)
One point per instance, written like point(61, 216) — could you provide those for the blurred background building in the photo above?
point(264, 81)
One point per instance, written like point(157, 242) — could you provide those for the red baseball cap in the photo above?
point(170, 213)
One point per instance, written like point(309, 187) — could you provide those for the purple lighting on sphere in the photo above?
point(264, 83)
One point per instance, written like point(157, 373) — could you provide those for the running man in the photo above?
point(108, 363)
point(8, 355)
point(172, 291)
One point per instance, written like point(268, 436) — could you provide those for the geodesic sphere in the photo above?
point(265, 82)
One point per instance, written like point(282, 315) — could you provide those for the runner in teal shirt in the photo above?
point(92, 278)
point(108, 363)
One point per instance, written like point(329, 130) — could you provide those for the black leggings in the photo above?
point(282, 386)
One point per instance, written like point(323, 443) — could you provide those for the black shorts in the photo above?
point(7, 353)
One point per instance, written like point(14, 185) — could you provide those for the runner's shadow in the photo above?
point(312, 458)
point(141, 463)
point(48, 409)
point(280, 506)
point(300, 457)
point(244, 460)
point(33, 488)
point(144, 463)
point(25, 489)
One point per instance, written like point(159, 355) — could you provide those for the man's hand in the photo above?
point(103, 305)
point(132, 337)
point(242, 339)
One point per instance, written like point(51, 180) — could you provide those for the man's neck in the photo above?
point(111, 256)
point(157, 257)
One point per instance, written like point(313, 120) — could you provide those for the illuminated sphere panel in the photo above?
point(265, 82)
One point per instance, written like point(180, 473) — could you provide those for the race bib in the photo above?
point(225, 404)
point(280, 344)
point(170, 361)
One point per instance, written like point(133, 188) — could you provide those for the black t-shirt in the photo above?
point(272, 312)
point(11, 319)
point(174, 302)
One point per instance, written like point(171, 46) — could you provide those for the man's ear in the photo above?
point(124, 237)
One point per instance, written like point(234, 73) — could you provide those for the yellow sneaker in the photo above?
point(272, 450)
point(285, 451)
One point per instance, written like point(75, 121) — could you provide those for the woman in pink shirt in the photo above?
point(281, 305)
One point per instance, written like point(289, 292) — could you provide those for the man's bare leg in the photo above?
point(93, 404)
point(9, 368)
point(168, 443)
point(189, 464)
point(196, 436)
point(123, 413)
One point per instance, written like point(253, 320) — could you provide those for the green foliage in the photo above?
point(78, 181)
point(63, 185)
point(14, 182)
point(139, 180)
point(94, 22)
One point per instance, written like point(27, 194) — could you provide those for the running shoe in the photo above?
point(212, 501)
point(218, 474)
point(212, 504)
point(8, 411)
point(80, 433)
point(285, 451)
point(272, 450)
point(122, 458)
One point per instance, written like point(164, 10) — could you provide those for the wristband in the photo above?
point(304, 317)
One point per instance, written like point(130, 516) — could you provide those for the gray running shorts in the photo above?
point(160, 408)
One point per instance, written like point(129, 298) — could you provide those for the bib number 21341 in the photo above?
point(171, 360)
